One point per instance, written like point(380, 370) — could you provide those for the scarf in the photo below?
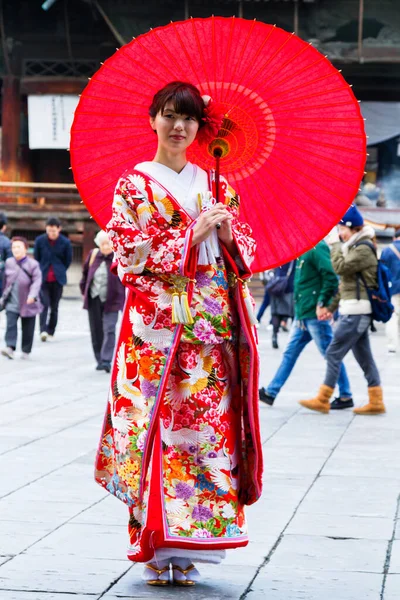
point(366, 233)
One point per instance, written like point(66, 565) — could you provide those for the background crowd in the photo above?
point(32, 285)
point(335, 307)
point(321, 292)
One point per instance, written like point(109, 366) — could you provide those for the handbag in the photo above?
point(277, 285)
point(4, 299)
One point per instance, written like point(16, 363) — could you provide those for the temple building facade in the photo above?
point(50, 48)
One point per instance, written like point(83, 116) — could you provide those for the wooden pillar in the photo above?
point(90, 228)
point(11, 109)
point(296, 17)
point(360, 30)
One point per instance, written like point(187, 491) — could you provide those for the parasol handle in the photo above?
point(217, 152)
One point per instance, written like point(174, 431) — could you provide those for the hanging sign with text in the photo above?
point(49, 120)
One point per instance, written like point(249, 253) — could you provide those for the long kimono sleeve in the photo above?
point(143, 240)
point(245, 244)
point(242, 234)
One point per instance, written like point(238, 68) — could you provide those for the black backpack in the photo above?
point(382, 308)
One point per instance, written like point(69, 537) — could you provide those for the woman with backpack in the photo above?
point(356, 263)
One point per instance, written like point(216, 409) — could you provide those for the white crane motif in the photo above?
point(125, 386)
point(160, 338)
point(183, 436)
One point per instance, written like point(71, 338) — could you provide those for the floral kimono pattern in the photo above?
point(180, 442)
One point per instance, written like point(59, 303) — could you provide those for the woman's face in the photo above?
point(105, 247)
point(175, 132)
point(345, 232)
point(18, 249)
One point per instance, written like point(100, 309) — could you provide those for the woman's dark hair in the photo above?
point(357, 228)
point(18, 238)
point(185, 97)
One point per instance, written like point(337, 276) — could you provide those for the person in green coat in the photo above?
point(315, 285)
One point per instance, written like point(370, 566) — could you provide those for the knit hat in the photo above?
point(101, 237)
point(352, 217)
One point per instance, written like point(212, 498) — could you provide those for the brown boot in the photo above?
point(321, 400)
point(375, 405)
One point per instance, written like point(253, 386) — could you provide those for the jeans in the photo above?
point(351, 333)
point(301, 334)
point(50, 295)
point(28, 330)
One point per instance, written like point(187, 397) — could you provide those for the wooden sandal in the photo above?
point(184, 572)
point(159, 572)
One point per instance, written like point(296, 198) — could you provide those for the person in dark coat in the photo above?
point(282, 306)
point(20, 298)
point(103, 298)
point(265, 277)
point(53, 252)
point(5, 248)
point(391, 258)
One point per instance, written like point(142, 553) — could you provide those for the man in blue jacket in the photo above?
point(391, 258)
point(315, 284)
point(53, 252)
point(5, 248)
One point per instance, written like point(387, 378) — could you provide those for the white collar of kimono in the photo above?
point(185, 187)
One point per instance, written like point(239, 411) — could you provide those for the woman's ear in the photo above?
point(152, 124)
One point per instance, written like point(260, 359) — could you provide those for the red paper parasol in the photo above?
point(293, 138)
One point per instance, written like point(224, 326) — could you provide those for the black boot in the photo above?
point(339, 404)
point(275, 341)
point(264, 397)
point(104, 366)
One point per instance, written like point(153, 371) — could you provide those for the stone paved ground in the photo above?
point(325, 528)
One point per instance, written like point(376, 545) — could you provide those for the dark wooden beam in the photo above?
point(50, 85)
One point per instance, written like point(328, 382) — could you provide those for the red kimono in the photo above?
point(180, 442)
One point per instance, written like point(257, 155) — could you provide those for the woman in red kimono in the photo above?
point(180, 442)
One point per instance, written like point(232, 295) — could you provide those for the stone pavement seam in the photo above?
point(116, 581)
point(66, 594)
point(49, 472)
point(43, 437)
point(389, 550)
point(40, 412)
point(279, 428)
point(280, 538)
point(53, 530)
point(34, 393)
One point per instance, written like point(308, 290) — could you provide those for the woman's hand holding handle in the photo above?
point(208, 221)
